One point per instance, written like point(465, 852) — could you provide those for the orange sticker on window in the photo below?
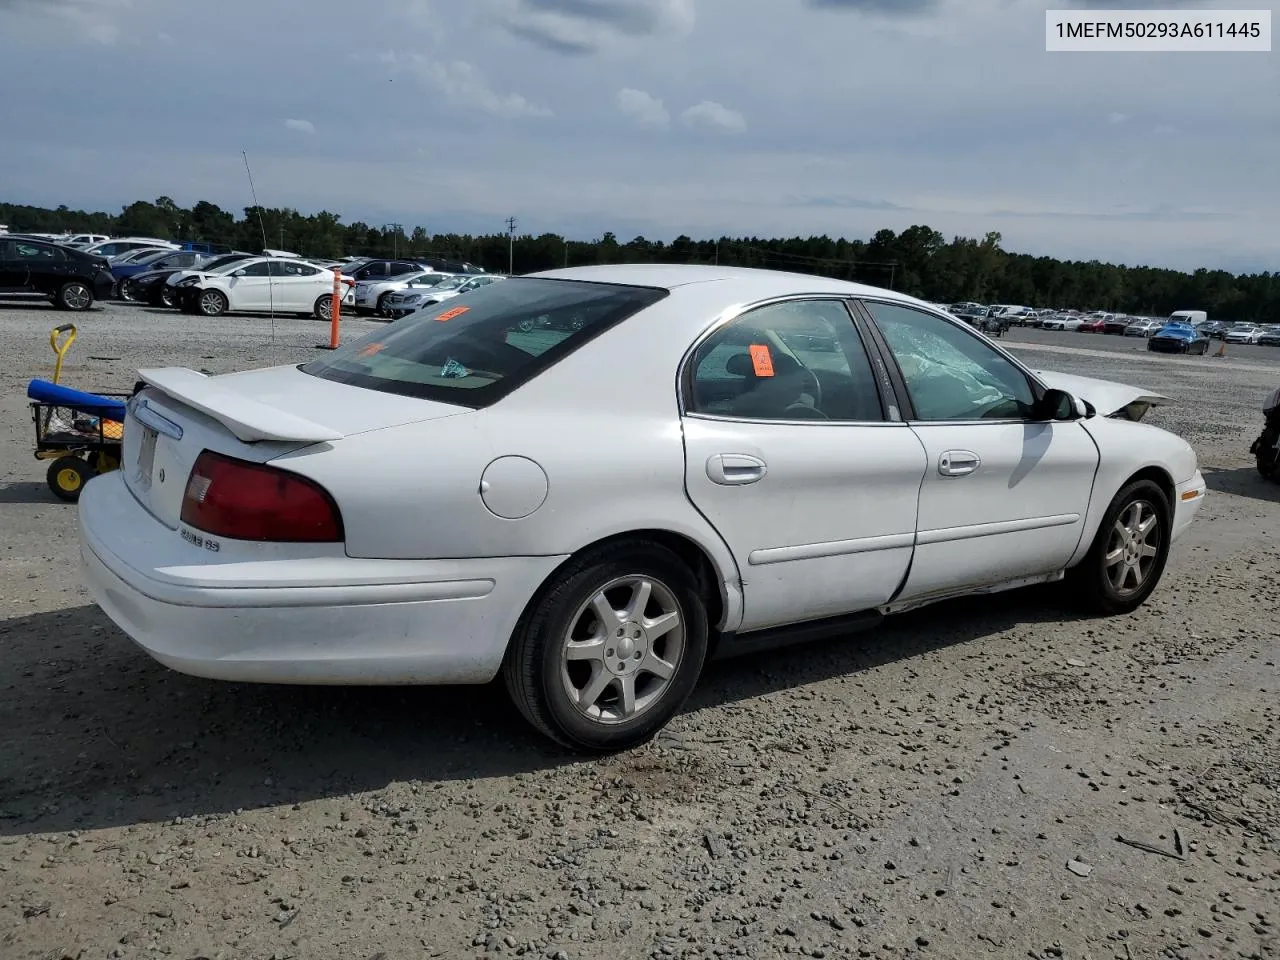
point(761, 360)
point(372, 348)
point(450, 314)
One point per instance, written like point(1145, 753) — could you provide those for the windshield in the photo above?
point(429, 280)
point(476, 352)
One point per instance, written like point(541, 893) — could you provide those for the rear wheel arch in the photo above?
point(692, 554)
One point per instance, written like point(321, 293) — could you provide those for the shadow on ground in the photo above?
point(27, 492)
point(98, 735)
point(1241, 481)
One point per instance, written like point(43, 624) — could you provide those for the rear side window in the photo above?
point(476, 348)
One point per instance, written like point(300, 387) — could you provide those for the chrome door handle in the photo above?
point(735, 468)
point(958, 463)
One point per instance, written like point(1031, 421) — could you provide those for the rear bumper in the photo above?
point(311, 620)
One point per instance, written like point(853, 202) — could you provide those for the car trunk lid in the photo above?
point(257, 416)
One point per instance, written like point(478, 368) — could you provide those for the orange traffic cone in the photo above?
point(1222, 350)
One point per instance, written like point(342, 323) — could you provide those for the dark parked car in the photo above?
point(1214, 329)
point(160, 260)
point(70, 278)
point(1179, 338)
point(1116, 325)
point(1270, 335)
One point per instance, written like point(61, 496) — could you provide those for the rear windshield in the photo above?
point(476, 348)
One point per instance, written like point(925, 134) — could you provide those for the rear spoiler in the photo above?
point(250, 420)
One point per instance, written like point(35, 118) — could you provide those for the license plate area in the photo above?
point(146, 457)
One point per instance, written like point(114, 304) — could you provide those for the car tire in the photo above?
point(211, 303)
point(1115, 554)
point(381, 309)
point(323, 309)
point(74, 296)
point(550, 664)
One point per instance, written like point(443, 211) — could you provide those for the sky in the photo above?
point(654, 118)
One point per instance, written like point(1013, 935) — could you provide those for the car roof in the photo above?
point(757, 284)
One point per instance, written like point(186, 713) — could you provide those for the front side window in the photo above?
point(474, 353)
point(950, 373)
point(260, 269)
point(799, 360)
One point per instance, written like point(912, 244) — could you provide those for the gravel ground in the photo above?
point(954, 784)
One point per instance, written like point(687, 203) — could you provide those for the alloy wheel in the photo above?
point(1133, 547)
point(622, 650)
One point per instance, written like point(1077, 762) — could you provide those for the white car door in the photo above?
point(1004, 495)
point(297, 286)
point(249, 287)
point(791, 456)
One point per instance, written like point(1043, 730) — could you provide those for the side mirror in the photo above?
point(1058, 405)
point(240, 273)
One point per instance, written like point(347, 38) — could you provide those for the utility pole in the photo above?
point(395, 238)
point(717, 252)
point(566, 252)
point(511, 245)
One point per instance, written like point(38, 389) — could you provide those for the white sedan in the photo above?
point(674, 460)
point(420, 296)
point(260, 284)
point(1062, 321)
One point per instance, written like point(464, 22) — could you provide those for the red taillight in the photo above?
point(250, 501)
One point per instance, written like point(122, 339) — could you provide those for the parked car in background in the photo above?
point(372, 293)
point(259, 285)
point(1143, 327)
point(415, 293)
point(1243, 333)
point(72, 279)
point(1178, 338)
point(157, 260)
point(147, 284)
point(446, 291)
point(1270, 335)
point(386, 270)
point(604, 506)
point(82, 240)
point(110, 248)
point(1113, 324)
point(1215, 329)
point(1193, 317)
point(1092, 325)
point(1062, 321)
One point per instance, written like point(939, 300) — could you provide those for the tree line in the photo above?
point(919, 261)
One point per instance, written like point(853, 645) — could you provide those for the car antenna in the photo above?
point(271, 292)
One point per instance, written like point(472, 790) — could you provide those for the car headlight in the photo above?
point(189, 282)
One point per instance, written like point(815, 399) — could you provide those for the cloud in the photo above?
point(847, 203)
point(95, 19)
point(1115, 119)
point(579, 27)
point(464, 86)
point(1165, 130)
point(714, 116)
point(645, 110)
point(891, 8)
point(300, 126)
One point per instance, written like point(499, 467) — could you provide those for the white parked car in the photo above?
point(1243, 333)
point(418, 297)
point(1143, 327)
point(1062, 321)
point(715, 458)
point(258, 285)
point(372, 295)
point(111, 248)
